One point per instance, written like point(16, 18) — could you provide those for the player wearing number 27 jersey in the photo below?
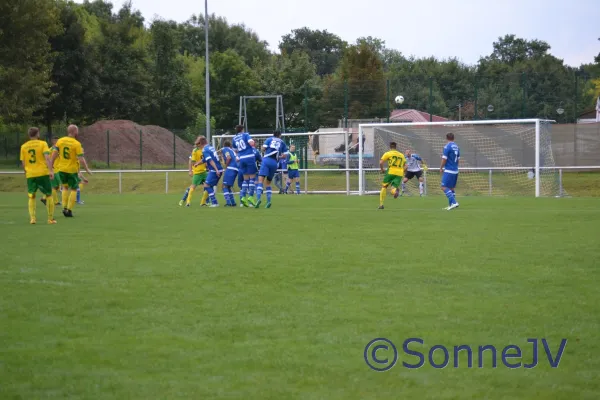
point(449, 170)
point(396, 164)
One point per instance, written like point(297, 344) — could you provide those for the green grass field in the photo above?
point(137, 298)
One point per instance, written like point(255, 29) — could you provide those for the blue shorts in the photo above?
point(229, 177)
point(293, 173)
point(449, 180)
point(248, 165)
point(240, 178)
point(212, 179)
point(268, 168)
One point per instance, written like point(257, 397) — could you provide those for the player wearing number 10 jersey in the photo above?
point(396, 164)
point(449, 170)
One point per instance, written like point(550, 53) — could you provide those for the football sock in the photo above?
point(72, 200)
point(185, 195)
point(403, 186)
point(269, 193)
point(55, 196)
point(211, 194)
point(287, 186)
point(50, 207)
point(78, 195)
point(65, 197)
point(190, 193)
point(382, 195)
point(251, 187)
point(297, 187)
point(421, 187)
point(204, 197)
point(450, 196)
point(259, 191)
point(31, 206)
point(244, 191)
point(227, 195)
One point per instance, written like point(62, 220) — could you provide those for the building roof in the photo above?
point(410, 115)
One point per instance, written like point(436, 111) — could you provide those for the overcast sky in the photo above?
point(443, 28)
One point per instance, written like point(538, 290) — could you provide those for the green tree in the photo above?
point(25, 56)
point(172, 103)
point(324, 49)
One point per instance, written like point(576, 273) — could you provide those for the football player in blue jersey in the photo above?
point(258, 158)
point(244, 145)
point(449, 170)
point(230, 174)
point(215, 170)
point(274, 148)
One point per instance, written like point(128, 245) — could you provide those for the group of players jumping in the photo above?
point(239, 161)
point(48, 169)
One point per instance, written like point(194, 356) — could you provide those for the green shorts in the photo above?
point(199, 179)
point(393, 180)
point(56, 181)
point(42, 183)
point(71, 180)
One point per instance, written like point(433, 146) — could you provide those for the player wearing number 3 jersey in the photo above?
point(396, 165)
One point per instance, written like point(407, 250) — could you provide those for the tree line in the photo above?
point(62, 61)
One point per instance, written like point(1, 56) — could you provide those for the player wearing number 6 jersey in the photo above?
point(396, 165)
point(449, 170)
point(70, 153)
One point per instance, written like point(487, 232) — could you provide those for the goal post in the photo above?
point(517, 152)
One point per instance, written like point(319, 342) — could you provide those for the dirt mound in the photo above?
point(118, 142)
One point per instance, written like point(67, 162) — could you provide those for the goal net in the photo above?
point(504, 158)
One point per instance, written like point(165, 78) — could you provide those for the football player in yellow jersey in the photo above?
point(69, 152)
point(396, 165)
point(197, 170)
point(35, 159)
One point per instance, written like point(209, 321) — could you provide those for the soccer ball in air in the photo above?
point(399, 99)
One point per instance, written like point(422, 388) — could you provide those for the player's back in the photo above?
point(396, 161)
point(210, 154)
point(274, 147)
point(32, 155)
point(69, 149)
point(241, 142)
point(452, 155)
point(229, 153)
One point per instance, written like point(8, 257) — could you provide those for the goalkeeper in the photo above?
point(413, 168)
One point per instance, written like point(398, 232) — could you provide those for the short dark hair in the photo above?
point(33, 132)
point(277, 133)
point(392, 145)
point(450, 136)
point(227, 143)
point(239, 128)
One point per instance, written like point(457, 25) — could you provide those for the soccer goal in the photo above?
point(502, 157)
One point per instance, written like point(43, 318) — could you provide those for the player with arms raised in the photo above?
point(35, 159)
point(274, 148)
point(413, 168)
point(449, 170)
point(396, 165)
point(244, 145)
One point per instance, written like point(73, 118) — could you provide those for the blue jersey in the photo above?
point(283, 164)
point(241, 143)
point(210, 154)
point(451, 154)
point(257, 155)
point(274, 147)
point(229, 153)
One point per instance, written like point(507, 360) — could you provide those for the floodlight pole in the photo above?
point(207, 73)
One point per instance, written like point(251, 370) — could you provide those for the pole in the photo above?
point(387, 102)
point(108, 148)
point(537, 158)
point(575, 105)
point(18, 147)
point(174, 150)
point(475, 105)
point(524, 83)
point(141, 151)
point(430, 99)
point(207, 73)
point(305, 107)
point(346, 108)
point(459, 111)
